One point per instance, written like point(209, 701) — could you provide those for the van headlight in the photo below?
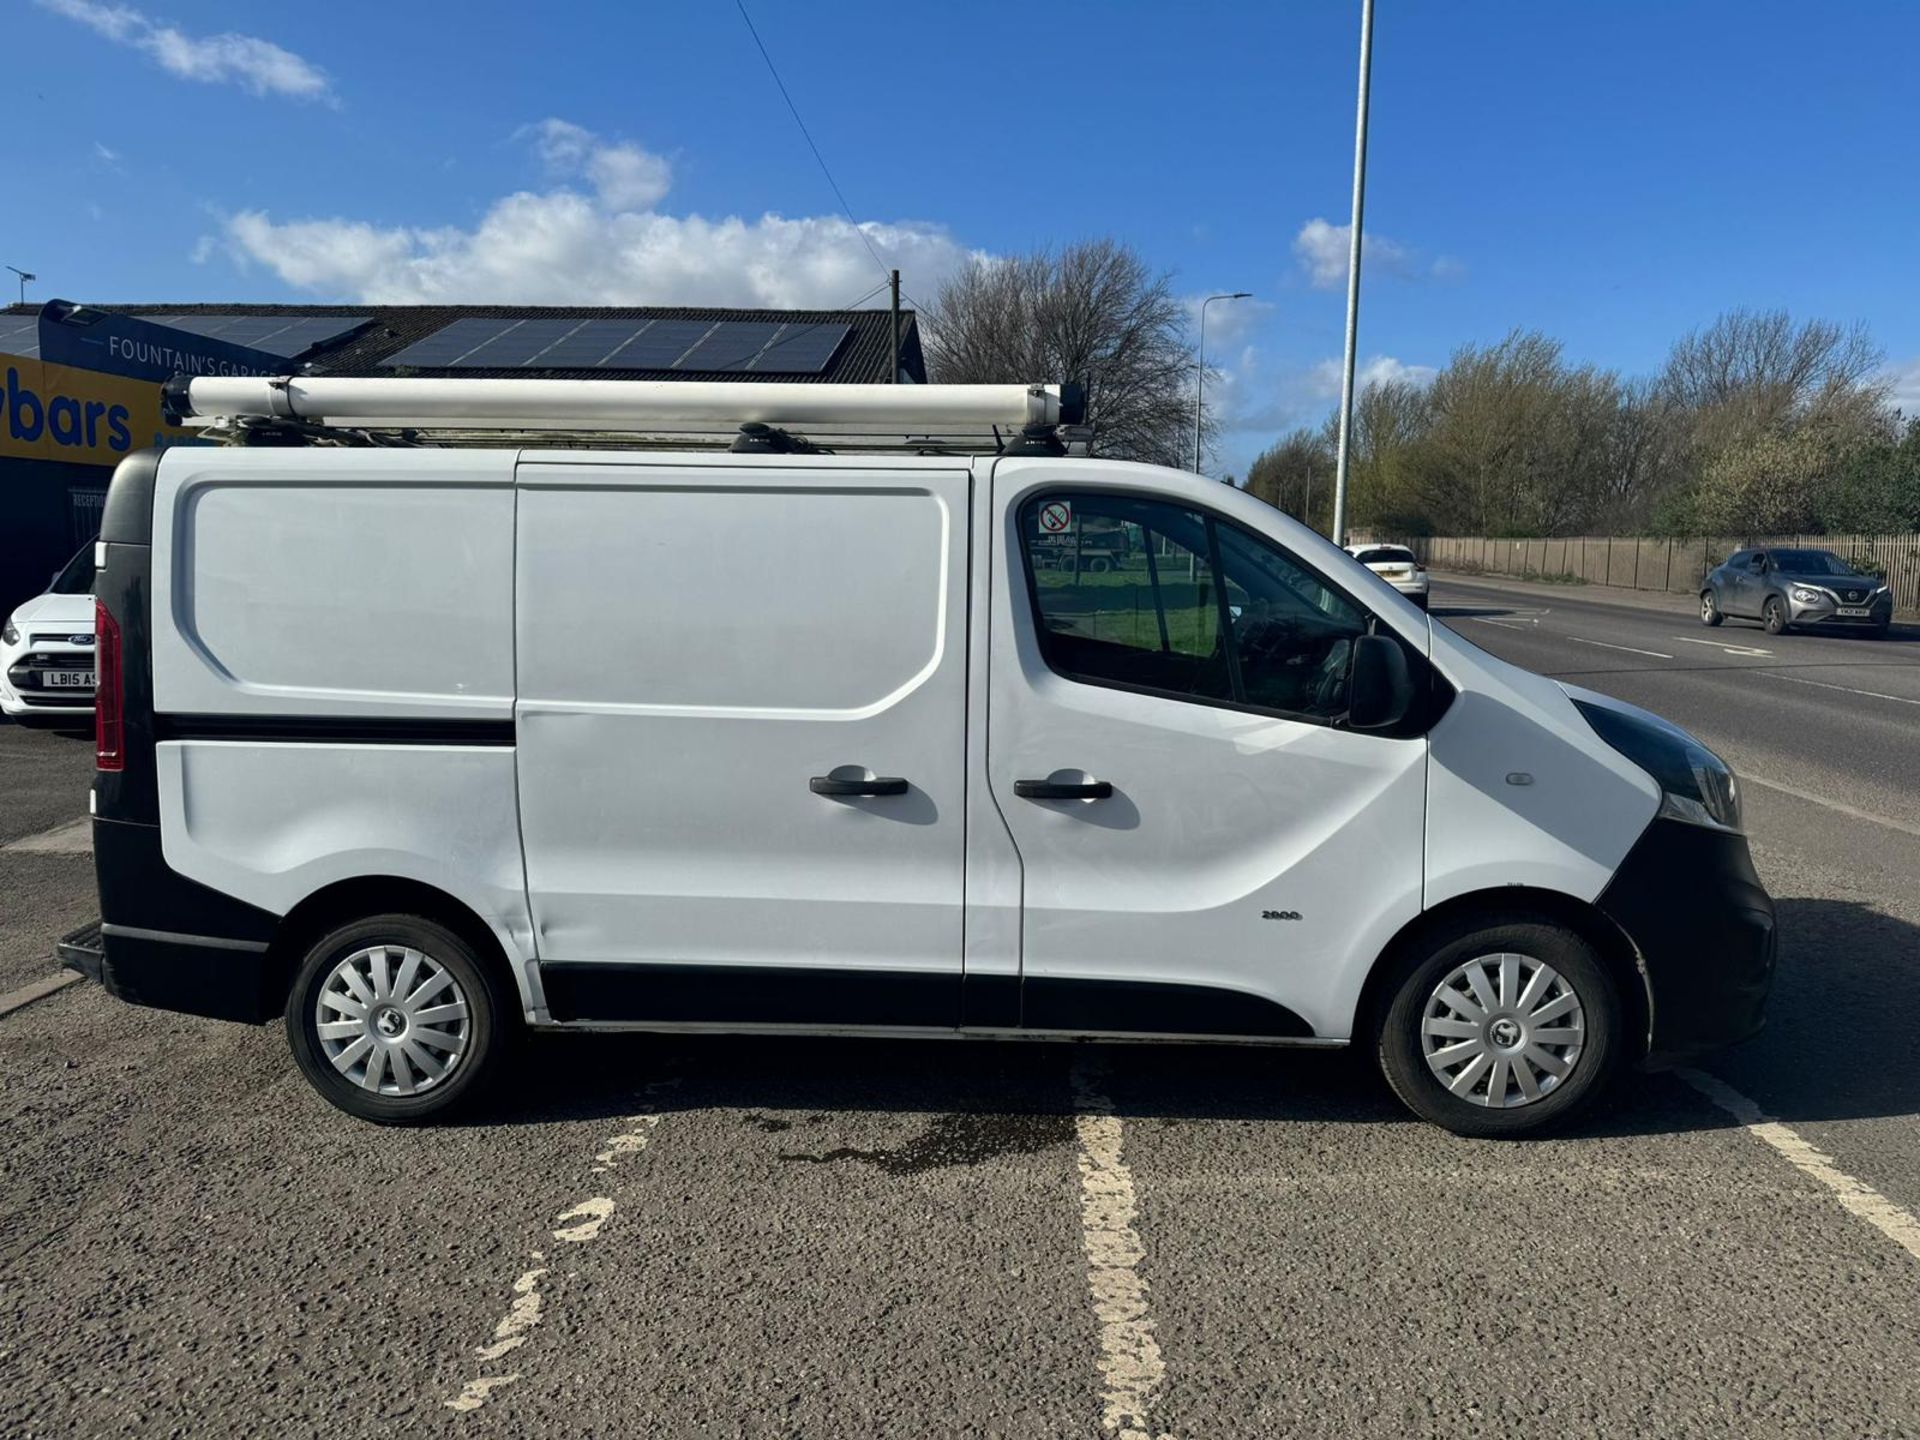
point(1695, 784)
point(1807, 596)
point(9, 635)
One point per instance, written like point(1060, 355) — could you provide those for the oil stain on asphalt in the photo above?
point(962, 1139)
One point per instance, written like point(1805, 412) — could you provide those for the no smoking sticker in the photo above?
point(1055, 517)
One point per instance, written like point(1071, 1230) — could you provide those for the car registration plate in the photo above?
point(1854, 611)
point(67, 679)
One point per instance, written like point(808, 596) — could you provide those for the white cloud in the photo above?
point(608, 244)
point(625, 176)
point(1376, 370)
point(1903, 387)
point(1257, 402)
point(105, 155)
point(1321, 249)
point(245, 60)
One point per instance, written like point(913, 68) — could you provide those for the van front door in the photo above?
point(1204, 849)
point(741, 736)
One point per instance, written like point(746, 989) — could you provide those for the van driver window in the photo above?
point(1139, 594)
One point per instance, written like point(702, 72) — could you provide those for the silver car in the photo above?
point(1784, 588)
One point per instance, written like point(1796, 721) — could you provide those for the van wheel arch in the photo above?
point(1513, 902)
point(347, 900)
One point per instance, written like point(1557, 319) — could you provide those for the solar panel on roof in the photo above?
point(283, 335)
point(515, 342)
point(589, 344)
point(20, 335)
point(574, 343)
point(730, 345)
point(658, 345)
point(446, 345)
point(801, 349)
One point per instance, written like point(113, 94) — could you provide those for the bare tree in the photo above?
point(1752, 371)
point(1094, 312)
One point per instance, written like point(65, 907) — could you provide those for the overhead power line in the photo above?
point(794, 110)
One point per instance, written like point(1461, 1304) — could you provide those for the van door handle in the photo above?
point(879, 785)
point(1063, 790)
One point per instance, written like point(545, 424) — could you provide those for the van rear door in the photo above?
point(741, 724)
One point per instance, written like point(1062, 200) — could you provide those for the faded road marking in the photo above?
point(628, 1142)
point(475, 1392)
point(1503, 624)
point(591, 1214)
point(1854, 1196)
point(1630, 649)
point(522, 1315)
point(526, 1309)
point(73, 838)
point(37, 990)
point(1130, 1358)
point(1813, 799)
point(1718, 645)
point(1844, 689)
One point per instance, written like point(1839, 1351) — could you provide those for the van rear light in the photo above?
point(109, 716)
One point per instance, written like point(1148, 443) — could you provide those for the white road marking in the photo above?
point(591, 1214)
point(522, 1315)
point(474, 1393)
point(1846, 689)
point(524, 1312)
point(73, 838)
point(38, 990)
point(1504, 625)
point(1856, 1197)
point(1719, 645)
point(1631, 650)
point(1812, 799)
point(630, 1142)
point(1130, 1357)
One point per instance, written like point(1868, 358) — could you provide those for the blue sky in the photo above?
point(1613, 174)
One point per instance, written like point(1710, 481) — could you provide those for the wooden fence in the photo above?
point(1677, 566)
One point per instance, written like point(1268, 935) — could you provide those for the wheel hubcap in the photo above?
point(1502, 1030)
point(392, 1020)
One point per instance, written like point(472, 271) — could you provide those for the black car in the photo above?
point(1808, 588)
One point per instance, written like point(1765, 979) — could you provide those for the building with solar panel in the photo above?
point(82, 383)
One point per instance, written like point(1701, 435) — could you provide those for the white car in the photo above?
point(1396, 565)
point(46, 652)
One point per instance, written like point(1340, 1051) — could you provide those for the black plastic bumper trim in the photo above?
point(174, 937)
point(1689, 900)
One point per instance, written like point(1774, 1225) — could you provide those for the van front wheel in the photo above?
point(1501, 1030)
point(395, 1019)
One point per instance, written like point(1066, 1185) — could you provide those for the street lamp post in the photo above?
point(1339, 533)
point(25, 276)
point(1200, 383)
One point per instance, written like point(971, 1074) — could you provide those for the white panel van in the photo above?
point(420, 746)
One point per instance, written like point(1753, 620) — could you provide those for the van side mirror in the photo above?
point(1379, 687)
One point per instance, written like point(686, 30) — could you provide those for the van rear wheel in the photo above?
point(1502, 1028)
point(395, 1019)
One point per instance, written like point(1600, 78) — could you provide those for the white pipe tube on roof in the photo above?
point(630, 404)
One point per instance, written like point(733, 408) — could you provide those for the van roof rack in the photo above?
point(746, 417)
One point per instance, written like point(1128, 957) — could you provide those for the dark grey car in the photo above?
point(1782, 588)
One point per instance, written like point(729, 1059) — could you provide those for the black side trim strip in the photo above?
point(751, 994)
point(1121, 1007)
point(333, 730)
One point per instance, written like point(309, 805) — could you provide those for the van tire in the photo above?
point(487, 1021)
point(1537, 941)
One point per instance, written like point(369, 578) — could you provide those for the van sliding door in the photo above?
point(741, 724)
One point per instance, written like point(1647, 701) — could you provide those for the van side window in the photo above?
point(1125, 594)
point(1148, 595)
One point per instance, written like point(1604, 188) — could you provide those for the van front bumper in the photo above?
point(1689, 900)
